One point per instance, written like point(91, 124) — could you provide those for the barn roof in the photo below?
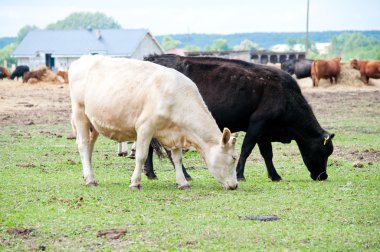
point(74, 43)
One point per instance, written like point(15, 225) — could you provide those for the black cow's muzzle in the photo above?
point(319, 177)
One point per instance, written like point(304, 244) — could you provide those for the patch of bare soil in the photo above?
point(112, 234)
point(28, 104)
point(20, 231)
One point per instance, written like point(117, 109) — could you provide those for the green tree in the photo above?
point(169, 43)
point(218, 45)
point(291, 42)
point(354, 45)
point(23, 31)
point(192, 48)
point(246, 45)
point(84, 20)
point(312, 48)
point(5, 54)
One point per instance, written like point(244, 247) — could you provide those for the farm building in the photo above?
point(58, 49)
point(256, 56)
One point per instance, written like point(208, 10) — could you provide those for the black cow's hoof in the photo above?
point(151, 176)
point(276, 178)
point(241, 178)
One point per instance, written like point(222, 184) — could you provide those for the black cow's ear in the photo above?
point(327, 137)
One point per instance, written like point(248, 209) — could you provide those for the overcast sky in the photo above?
point(200, 16)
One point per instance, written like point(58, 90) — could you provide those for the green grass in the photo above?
point(41, 188)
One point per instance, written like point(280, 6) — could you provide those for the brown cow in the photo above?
point(325, 69)
point(367, 68)
point(4, 73)
point(64, 75)
point(33, 74)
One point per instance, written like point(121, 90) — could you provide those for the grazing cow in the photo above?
point(265, 102)
point(325, 69)
point(139, 100)
point(19, 72)
point(367, 68)
point(4, 73)
point(37, 74)
point(300, 67)
point(64, 75)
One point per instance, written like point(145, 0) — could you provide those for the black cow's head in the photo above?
point(315, 154)
point(288, 66)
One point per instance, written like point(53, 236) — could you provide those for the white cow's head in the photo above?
point(222, 159)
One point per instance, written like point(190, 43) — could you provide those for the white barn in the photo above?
point(57, 49)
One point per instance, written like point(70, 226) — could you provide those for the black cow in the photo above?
point(19, 71)
point(300, 67)
point(265, 102)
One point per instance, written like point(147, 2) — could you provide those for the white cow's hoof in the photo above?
point(184, 187)
point(123, 154)
point(136, 187)
point(92, 183)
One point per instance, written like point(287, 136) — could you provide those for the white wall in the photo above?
point(32, 62)
point(63, 63)
point(146, 47)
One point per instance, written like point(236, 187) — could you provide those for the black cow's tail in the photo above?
point(157, 147)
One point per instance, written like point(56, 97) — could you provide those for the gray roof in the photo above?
point(71, 43)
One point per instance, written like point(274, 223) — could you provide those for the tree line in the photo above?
point(350, 44)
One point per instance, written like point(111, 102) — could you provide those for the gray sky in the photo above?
point(200, 16)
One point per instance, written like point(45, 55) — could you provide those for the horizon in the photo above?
point(174, 34)
point(202, 17)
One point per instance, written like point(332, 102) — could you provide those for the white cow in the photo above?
point(125, 99)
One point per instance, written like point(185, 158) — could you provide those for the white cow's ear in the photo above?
point(234, 137)
point(226, 136)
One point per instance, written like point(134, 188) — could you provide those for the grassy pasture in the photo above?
point(41, 190)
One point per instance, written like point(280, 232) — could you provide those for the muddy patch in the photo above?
point(112, 233)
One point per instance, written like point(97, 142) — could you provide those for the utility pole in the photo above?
point(307, 30)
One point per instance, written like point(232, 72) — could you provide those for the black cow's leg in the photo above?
point(249, 142)
point(148, 167)
point(265, 148)
point(187, 176)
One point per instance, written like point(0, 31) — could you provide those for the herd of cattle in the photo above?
point(330, 69)
point(198, 101)
point(301, 68)
point(26, 74)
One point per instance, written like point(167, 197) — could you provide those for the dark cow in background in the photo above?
point(367, 68)
point(263, 101)
point(300, 67)
point(4, 73)
point(19, 72)
point(37, 74)
point(325, 69)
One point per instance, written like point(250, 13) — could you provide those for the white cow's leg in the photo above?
point(142, 146)
point(123, 149)
point(85, 140)
point(180, 177)
point(93, 136)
